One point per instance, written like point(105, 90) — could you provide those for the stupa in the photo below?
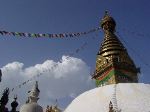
point(31, 104)
point(116, 78)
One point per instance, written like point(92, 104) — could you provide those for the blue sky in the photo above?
point(58, 16)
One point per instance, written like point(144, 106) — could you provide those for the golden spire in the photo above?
point(111, 44)
point(113, 64)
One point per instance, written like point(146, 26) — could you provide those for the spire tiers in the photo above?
point(113, 64)
point(111, 44)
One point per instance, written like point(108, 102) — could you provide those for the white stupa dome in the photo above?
point(125, 97)
point(32, 105)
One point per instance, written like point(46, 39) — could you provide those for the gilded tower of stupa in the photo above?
point(117, 71)
point(113, 64)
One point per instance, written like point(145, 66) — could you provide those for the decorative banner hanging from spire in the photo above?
point(38, 35)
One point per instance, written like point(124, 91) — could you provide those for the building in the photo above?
point(116, 78)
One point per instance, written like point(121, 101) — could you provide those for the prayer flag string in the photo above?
point(76, 51)
point(48, 35)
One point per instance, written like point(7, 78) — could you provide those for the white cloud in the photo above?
point(68, 78)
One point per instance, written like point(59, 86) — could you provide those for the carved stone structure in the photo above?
point(113, 64)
